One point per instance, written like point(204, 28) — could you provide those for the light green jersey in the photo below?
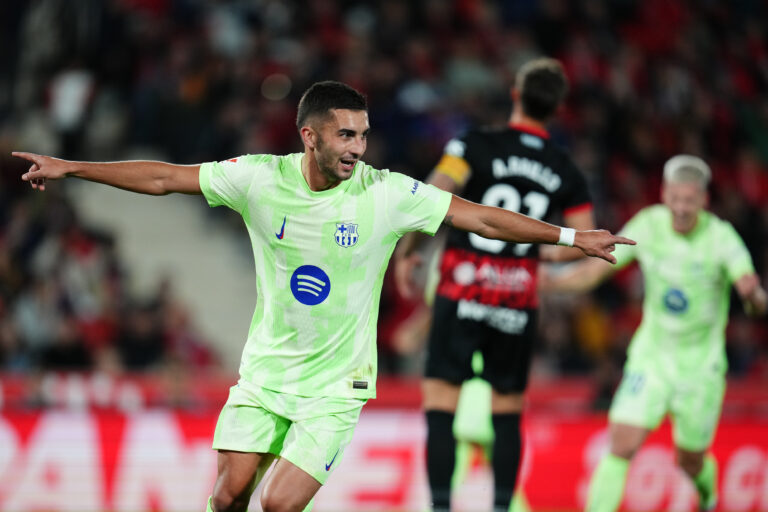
point(320, 259)
point(687, 288)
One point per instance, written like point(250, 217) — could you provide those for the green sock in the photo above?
point(464, 454)
point(607, 485)
point(519, 502)
point(706, 483)
point(209, 508)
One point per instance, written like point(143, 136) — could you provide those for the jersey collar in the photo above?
point(544, 134)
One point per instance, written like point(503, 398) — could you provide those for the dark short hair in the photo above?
point(322, 97)
point(542, 85)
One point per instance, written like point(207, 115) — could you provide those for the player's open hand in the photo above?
point(600, 243)
point(43, 168)
point(404, 275)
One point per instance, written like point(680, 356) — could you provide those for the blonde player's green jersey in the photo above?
point(320, 259)
point(687, 289)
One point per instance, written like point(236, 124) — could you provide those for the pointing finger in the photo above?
point(624, 240)
point(26, 156)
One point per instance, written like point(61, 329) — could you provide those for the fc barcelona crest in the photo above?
point(346, 234)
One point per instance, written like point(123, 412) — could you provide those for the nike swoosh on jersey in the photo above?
point(328, 466)
point(282, 231)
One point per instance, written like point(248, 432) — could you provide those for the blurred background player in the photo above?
point(676, 361)
point(486, 297)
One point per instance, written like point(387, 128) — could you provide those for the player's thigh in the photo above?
point(451, 343)
point(440, 395)
point(507, 349)
point(695, 410)
point(238, 475)
point(248, 424)
point(642, 398)
point(322, 429)
point(625, 439)
point(288, 487)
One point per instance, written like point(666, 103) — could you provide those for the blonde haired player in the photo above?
point(676, 361)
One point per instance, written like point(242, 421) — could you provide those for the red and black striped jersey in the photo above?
point(518, 169)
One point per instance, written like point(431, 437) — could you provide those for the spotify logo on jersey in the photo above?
point(676, 301)
point(310, 285)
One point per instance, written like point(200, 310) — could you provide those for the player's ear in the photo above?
point(308, 136)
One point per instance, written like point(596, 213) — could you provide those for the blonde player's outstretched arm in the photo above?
point(142, 176)
point(752, 294)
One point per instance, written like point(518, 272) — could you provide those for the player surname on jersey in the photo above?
point(531, 169)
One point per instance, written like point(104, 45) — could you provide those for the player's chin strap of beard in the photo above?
point(567, 237)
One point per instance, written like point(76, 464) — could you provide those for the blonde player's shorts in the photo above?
point(646, 395)
point(310, 432)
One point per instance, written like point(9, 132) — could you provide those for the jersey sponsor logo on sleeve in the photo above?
point(675, 301)
point(415, 187)
point(281, 233)
point(531, 141)
point(310, 285)
point(346, 234)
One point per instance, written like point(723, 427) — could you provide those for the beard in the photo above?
point(328, 162)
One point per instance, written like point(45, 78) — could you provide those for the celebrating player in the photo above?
point(323, 225)
point(486, 298)
point(676, 362)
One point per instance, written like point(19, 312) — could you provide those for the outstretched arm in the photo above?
point(582, 276)
point(492, 222)
point(143, 176)
point(582, 220)
point(752, 294)
point(408, 253)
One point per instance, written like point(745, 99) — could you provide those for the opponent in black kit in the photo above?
point(486, 298)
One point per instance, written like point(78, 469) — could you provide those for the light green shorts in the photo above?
point(646, 395)
point(310, 432)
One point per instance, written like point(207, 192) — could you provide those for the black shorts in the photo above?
point(504, 336)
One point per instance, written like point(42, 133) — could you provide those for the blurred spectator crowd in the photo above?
point(197, 80)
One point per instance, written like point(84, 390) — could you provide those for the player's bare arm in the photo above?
point(752, 294)
point(582, 276)
point(582, 220)
point(407, 254)
point(500, 224)
point(142, 176)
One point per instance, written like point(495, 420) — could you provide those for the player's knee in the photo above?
point(626, 448)
point(691, 463)
point(274, 502)
point(224, 501)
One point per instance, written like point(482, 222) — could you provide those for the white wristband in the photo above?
point(567, 236)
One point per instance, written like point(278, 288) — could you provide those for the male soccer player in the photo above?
point(676, 361)
point(323, 225)
point(486, 299)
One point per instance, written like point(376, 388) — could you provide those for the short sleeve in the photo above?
point(734, 254)
point(413, 205)
point(636, 229)
point(227, 183)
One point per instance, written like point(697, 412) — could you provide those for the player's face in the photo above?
point(684, 200)
point(341, 141)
